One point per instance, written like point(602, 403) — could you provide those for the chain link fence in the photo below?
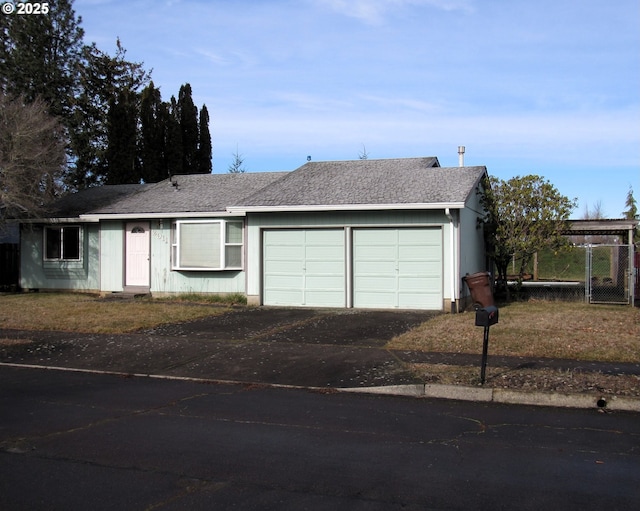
point(591, 273)
point(610, 274)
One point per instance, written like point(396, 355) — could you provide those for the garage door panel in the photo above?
point(418, 252)
point(325, 282)
point(286, 237)
point(412, 267)
point(283, 266)
point(375, 236)
point(284, 296)
point(419, 301)
point(325, 267)
point(414, 283)
point(374, 268)
point(283, 280)
point(377, 253)
point(422, 235)
point(383, 300)
point(425, 285)
point(284, 252)
point(325, 298)
point(381, 282)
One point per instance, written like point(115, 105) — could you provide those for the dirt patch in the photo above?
point(534, 380)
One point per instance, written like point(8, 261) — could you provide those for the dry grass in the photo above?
point(536, 329)
point(90, 314)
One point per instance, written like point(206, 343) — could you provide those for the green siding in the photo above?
point(166, 280)
point(36, 273)
point(111, 256)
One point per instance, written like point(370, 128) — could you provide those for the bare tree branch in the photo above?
point(32, 158)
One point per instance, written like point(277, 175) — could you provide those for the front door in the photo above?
point(137, 254)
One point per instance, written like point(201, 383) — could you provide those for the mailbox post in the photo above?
point(479, 285)
point(486, 317)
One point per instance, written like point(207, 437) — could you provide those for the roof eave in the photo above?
point(345, 207)
point(97, 217)
point(55, 220)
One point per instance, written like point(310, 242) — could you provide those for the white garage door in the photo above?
point(304, 267)
point(397, 268)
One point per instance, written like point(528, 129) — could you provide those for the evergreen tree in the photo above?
point(40, 56)
point(173, 143)
point(121, 151)
point(631, 212)
point(111, 133)
point(204, 163)
point(103, 79)
point(153, 125)
point(188, 115)
point(236, 167)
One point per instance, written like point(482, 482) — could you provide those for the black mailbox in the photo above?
point(487, 316)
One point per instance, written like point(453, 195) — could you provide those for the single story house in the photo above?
point(393, 233)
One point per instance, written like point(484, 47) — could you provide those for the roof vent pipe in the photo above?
point(460, 156)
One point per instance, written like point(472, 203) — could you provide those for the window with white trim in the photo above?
point(62, 243)
point(207, 245)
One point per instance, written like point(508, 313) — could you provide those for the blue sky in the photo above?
point(549, 87)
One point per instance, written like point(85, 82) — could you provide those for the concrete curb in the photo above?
point(505, 396)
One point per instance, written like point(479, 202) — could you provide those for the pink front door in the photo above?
point(137, 254)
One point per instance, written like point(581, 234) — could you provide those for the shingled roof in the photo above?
point(193, 193)
point(76, 204)
point(368, 182)
point(387, 183)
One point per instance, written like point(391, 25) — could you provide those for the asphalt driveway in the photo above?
point(345, 327)
point(292, 346)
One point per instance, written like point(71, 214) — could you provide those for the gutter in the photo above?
point(153, 216)
point(345, 207)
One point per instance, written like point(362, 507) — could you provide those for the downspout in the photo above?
point(455, 270)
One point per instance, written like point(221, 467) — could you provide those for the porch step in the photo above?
point(132, 292)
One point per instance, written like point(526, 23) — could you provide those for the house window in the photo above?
point(207, 245)
point(62, 243)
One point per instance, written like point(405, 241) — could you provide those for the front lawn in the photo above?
point(72, 312)
point(536, 329)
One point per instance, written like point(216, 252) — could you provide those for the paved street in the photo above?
point(86, 441)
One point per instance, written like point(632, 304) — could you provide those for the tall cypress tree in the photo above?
point(188, 114)
point(204, 163)
point(153, 125)
point(173, 143)
point(121, 151)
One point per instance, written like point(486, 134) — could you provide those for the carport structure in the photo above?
point(604, 264)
